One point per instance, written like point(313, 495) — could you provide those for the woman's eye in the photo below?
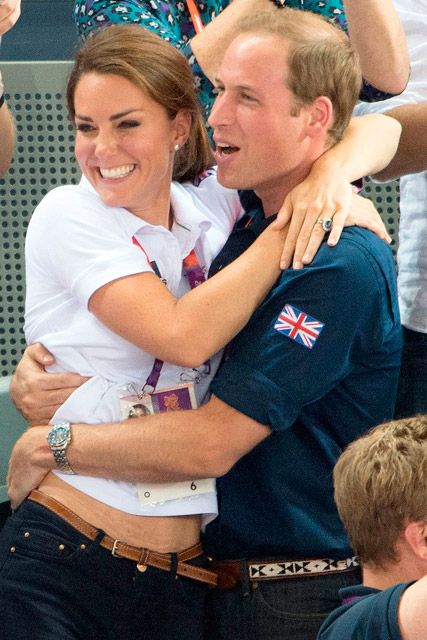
point(128, 124)
point(84, 128)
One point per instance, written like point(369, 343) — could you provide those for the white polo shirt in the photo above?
point(412, 250)
point(75, 244)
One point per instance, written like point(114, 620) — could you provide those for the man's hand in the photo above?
point(30, 461)
point(10, 10)
point(36, 393)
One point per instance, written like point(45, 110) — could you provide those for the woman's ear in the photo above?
point(182, 127)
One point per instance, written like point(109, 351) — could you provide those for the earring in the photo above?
point(176, 147)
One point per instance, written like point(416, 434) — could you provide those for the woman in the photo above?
point(97, 255)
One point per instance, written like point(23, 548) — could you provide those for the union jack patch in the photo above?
point(298, 326)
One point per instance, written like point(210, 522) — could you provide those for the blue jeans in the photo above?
point(412, 391)
point(55, 584)
point(289, 609)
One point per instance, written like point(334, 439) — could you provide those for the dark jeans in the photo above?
point(57, 585)
point(412, 392)
point(289, 609)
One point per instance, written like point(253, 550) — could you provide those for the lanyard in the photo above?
point(196, 276)
point(195, 16)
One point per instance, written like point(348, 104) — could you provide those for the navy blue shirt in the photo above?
point(368, 614)
point(318, 362)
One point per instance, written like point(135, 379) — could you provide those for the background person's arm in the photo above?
point(7, 136)
point(377, 34)
point(411, 155)
point(10, 11)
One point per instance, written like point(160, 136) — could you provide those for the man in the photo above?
point(380, 490)
point(9, 13)
point(412, 251)
point(316, 366)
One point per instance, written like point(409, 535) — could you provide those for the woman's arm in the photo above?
point(377, 34)
point(369, 144)
point(189, 330)
point(411, 155)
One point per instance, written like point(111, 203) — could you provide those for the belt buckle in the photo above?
point(114, 549)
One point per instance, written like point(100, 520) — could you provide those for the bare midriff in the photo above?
point(163, 534)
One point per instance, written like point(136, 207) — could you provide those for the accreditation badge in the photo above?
point(171, 399)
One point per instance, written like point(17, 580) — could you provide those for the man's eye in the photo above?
point(217, 90)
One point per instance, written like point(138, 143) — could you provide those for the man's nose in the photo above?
point(222, 112)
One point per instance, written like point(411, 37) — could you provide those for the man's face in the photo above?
point(259, 144)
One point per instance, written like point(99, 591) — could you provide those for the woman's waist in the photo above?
point(158, 533)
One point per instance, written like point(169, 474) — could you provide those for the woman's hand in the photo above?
point(314, 200)
point(338, 204)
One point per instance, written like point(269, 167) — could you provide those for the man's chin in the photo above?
point(229, 181)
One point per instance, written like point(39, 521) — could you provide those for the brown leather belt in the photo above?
point(143, 557)
point(233, 572)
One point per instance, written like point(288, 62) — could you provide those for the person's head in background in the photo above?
point(286, 91)
point(131, 96)
point(380, 485)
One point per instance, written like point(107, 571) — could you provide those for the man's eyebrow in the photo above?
point(116, 116)
point(236, 87)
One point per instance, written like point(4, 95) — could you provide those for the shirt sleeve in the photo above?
point(82, 245)
point(307, 335)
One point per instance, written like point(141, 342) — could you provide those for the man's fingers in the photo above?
point(38, 353)
point(67, 382)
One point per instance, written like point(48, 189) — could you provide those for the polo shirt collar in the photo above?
point(189, 222)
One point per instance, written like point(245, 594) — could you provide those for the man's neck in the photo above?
point(395, 573)
point(273, 195)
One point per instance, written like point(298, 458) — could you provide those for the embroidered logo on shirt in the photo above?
point(298, 326)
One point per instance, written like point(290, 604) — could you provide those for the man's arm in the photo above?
point(377, 34)
point(412, 611)
point(170, 446)
point(411, 155)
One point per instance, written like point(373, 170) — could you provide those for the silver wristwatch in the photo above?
point(59, 437)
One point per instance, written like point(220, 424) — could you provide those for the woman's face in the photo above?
point(125, 143)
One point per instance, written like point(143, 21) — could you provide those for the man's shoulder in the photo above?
point(366, 613)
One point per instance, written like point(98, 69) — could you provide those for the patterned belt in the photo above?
point(232, 572)
point(143, 557)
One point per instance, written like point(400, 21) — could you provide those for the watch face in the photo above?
point(58, 435)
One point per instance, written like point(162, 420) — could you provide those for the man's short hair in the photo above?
point(380, 485)
point(321, 61)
